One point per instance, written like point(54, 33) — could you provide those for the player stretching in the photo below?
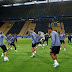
point(62, 40)
point(9, 37)
point(2, 45)
point(12, 40)
point(39, 41)
point(55, 46)
point(46, 39)
point(34, 41)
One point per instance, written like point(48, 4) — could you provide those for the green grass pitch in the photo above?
point(21, 62)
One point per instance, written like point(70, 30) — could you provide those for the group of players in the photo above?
point(56, 44)
point(10, 41)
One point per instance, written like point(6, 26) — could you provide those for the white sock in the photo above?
point(2, 54)
point(34, 51)
point(64, 49)
point(60, 48)
point(55, 61)
point(36, 47)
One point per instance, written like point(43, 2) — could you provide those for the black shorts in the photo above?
point(33, 45)
point(62, 41)
point(39, 42)
point(55, 49)
point(4, 48)
point(12, 44)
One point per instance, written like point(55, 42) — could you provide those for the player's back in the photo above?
point(55, 38)
point(34, 37)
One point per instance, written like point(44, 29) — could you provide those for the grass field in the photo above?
point(21, 62)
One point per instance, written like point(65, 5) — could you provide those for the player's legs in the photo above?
point(33, 50)
point(47, 42)
point(9, 47)
point(43, 41)
point(55, 56)
point(14, 47)
point(54, 51)
point(52, 55)
point(64, 48)
point(68, 40)
point(36, 46)
point(64, 45)
point(41, 44)
point(2, 54)
point(5, 50)
point(61, 47)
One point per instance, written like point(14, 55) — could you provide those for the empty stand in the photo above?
point(9, 27)
point(31, 26)
point(42, 25)
point(24, 28)
point(4, 26)
point(16, 28)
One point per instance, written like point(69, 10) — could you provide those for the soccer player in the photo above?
point(46, 38)
point(69, 39)
point(2, 45)
point(9, 37)
point(12, 40)
point(55, 46)
point(34, 42)
point(62, 40)
point(39, 41)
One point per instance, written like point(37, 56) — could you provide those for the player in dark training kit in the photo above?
point(55, 46)
point(12, 40)
point(69, 39)
point(46, 38)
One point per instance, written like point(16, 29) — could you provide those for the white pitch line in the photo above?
point(68, 45)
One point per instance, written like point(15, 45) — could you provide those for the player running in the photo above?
point(55, 46)
point(9, 37)
point(12, 40)
point(34, 42)
point(62, 40)
point(2, 45)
